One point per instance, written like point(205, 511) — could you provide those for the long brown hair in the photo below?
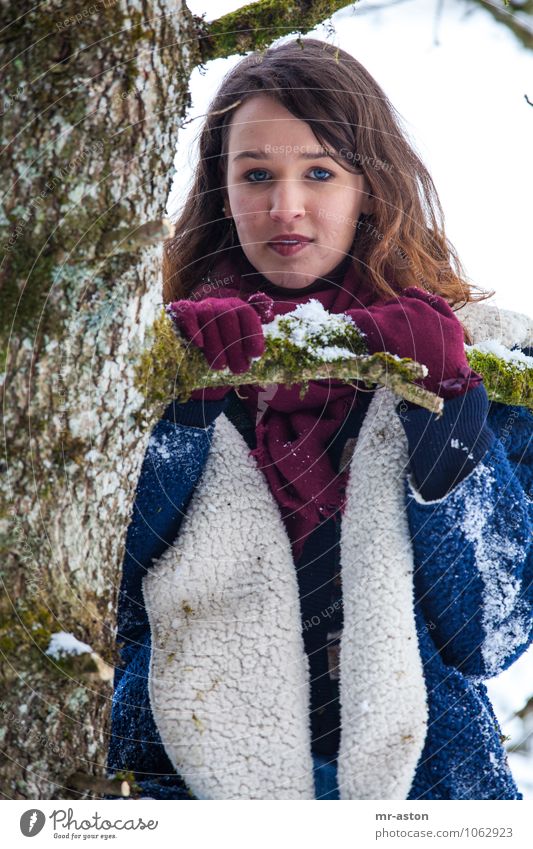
point(401, 243)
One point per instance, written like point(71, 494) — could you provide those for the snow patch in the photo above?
point(460, 446)
point(311, 326)
point(495, 556)
point(63, 643)
point(160, 444)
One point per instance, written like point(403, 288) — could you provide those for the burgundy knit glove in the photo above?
point(227, 330)
point(422, 326)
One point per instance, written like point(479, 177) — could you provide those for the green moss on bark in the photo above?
point(257, 25)
point(26, 628)
point(504, 382)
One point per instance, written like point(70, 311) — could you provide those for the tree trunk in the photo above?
point(92, 99)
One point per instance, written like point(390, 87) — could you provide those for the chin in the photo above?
point(290, 275)
point(291, 281)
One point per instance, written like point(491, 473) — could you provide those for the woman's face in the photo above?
point(280, 184)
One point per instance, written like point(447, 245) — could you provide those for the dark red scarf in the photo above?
point(293, 435)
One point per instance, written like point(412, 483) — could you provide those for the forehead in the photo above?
point(261, 119)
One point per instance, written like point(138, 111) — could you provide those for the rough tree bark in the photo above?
point(92, 98)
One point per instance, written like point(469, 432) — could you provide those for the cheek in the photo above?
point(248, 217)
point(342, 203)
point(246, 206)
point(336, 233)
point(331, 228)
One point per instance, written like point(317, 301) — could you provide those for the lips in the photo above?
point(291, 238)
point(290, 247)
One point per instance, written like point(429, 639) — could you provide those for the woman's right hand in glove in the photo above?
point(228, 331)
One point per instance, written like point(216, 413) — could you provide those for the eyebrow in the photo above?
point(261, 154)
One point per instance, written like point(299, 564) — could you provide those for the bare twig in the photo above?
point(99, 786)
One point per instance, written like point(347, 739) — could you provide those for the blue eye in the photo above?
point(248, 176)
point(257, 171)
point(324, 171)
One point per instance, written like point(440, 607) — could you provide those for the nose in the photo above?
point(287, 201)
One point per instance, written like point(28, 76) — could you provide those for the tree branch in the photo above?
point(257, 25)
point(521, 30)
point(171, 368)
point(509, 380)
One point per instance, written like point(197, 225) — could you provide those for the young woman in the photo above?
point(314, 590)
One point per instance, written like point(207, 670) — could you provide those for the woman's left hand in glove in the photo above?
point(422, 326)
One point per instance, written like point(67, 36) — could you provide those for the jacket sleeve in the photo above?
point(473, 555)
point(175, 456)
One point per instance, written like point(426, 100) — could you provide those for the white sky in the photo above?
point(463, 105)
